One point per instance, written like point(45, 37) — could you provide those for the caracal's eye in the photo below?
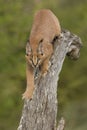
point(27, 54)
point(41, 53)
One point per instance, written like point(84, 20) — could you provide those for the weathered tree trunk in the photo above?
point(40, 112)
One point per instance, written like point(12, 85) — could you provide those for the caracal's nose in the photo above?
point(35, 60)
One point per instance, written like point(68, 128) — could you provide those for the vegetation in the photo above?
point(15, 24)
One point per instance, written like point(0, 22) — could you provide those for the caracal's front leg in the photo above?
point(30, 82)
point(45, 66)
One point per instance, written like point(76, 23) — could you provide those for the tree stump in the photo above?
point(40, 113)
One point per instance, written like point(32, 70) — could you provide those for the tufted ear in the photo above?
point(28, 48)
point(40, 47)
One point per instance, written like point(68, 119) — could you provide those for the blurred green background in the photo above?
point(15, 23)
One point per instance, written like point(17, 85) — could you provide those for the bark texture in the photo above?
point(40, 112)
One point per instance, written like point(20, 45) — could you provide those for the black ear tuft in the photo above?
point(41, 41)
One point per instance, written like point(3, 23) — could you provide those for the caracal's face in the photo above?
point(37, 53)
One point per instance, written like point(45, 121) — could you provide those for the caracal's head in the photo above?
point(36, 53)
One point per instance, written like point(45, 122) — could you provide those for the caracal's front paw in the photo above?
point(45, 69)
point(44, 73)
point(27, 95)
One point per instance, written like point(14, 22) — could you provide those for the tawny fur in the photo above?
point(39, 49)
